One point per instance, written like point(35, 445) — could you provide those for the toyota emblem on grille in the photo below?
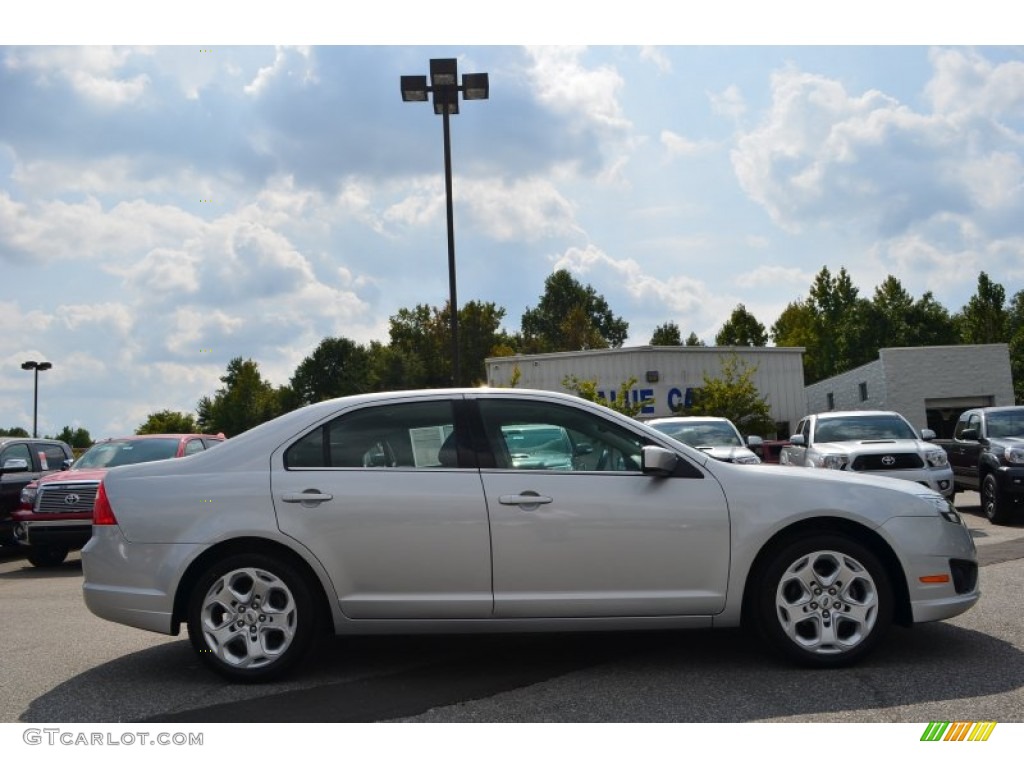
point(888, 460)
point(72, 498)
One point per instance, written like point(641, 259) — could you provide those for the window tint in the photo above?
point(407, 435)
point(542, 436)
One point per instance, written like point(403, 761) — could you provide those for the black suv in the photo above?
point(22, 460)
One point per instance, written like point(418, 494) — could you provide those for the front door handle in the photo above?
point(310, 497)
point(528, 500)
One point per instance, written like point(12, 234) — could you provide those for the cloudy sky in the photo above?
point(166, 208)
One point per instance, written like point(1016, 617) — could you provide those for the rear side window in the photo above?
point(407, 435)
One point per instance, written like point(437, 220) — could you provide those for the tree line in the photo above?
point(838, 328)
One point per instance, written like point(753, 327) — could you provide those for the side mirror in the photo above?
point(969, 434)
point(797, 440)
point(15, 465)
point(583, 449)
point(755, 441)
point(66, 464)
point(927, 434)
point(658, 461)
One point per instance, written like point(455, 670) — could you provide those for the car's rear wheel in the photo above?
point(824, 601)
point(47, 555)
point(251, 617)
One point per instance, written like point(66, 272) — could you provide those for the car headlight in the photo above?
point(1014, 454)
point(746, 460)
point(831, 461)
point(937, 459)
point(944, 507)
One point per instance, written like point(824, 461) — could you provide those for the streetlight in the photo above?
point(444, 84)
point(32, 365)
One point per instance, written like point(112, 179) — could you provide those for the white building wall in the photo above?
point(910, 380)
point(779, 376)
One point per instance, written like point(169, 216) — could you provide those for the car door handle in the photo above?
point(310, 497)
point(526, 499)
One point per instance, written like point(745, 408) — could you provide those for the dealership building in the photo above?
point(665, 376)
point(931, 386)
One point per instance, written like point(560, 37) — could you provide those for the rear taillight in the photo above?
point(102, 512)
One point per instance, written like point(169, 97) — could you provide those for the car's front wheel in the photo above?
point(992, 503)
point(251, 617)
point(824, 601)
point(47, 555)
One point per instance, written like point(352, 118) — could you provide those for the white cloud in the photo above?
point(289, 61)
point(90, 70)
point(774, 275)
point(729, 103)
point(657, 56)
point(680, 146)
point(564, 85)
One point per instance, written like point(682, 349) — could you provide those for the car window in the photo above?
point(417, 435)
point(701, 434)
point(805, 430)
point(851, 428)
point(53, 454)
point(194, 446)
point(16, 451)
point(116, 453)
point(531, 435)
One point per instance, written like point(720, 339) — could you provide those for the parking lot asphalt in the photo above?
point(64, 665)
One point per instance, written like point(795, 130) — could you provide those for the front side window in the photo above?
point(542, 436)
point(417, 435)
point(16, 451)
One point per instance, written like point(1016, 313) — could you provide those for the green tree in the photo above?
point(734, 396)
point(570, 316)
point(1015, 331)
point(422, 337)
point(587, 389)
point(14, 432)
point(694, 341)
point(168, 422)
point(667, 335)
point(245, 400)
point(741, 330)
point(984, 319)
point(337, 367)
point(76, 438)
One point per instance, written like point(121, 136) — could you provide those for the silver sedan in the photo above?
point(409, 512)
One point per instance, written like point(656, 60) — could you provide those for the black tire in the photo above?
point(993, 505)
point(251, 618)
point(823, 601)
point(47, 555)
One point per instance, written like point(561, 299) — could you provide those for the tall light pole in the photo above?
point(32, 365)
point(444, 85)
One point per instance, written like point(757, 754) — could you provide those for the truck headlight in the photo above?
point(937, 459)
point(831, 461)
point(1014, 454)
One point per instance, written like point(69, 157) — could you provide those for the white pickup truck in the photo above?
point(876, 442)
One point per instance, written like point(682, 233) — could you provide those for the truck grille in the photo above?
point(59, 498)
point(880, 462)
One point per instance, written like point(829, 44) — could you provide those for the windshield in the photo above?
point(851, 428)
point(1006, 424)
point(701, 433)
point(116, 453)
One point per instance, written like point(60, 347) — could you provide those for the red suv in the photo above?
point(55, 514)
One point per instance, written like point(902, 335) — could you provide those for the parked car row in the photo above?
point(465, 510)
point(54, 512)
point(22, 461)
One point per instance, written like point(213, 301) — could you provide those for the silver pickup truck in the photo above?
point(877, 442)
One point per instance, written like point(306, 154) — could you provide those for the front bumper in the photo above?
point(69, 533)
point(1011, 482)
point(940, 563)
point(938, 480)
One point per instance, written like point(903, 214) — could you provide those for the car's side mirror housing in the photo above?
point(927, 434)
point(969, 434)
point(797, 440)
point(15, 465)
point(66, 464)
point(755, 441)
point(658, 461)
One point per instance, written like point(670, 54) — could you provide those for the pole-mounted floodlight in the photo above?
point(32, 365)
point(445, 88)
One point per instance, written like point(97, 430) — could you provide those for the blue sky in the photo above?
point(165, 208)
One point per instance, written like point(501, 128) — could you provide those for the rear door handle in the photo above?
point(308, 498)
